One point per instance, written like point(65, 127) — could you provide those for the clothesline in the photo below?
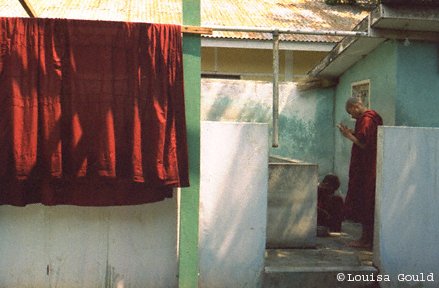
point(272, 30)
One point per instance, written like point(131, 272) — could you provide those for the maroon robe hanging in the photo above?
point(91, 112)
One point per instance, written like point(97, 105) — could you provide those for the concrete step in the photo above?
point(321, 277)
point(331, 264)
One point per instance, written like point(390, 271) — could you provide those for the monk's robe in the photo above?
point(360, 198)
point(91, 112)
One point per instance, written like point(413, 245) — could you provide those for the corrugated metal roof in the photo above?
point(293, 14)
point(152, 11)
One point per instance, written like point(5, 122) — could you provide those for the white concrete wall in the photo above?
point(233, 204)
point(69, 246)
point(292, 202)
point(135, 246)
point(407, 208)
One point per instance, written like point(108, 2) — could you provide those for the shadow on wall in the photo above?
point(306, 129)
point(232, 204)
point(292, 198)
point(71, 246)
point(407, 201)
point(306, 125)
point(219, 108)
point(297, 135)
point(226, 109)
point(415, 114)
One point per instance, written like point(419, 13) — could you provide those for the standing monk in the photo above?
point(360, 198)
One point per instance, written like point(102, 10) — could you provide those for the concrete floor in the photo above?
point(329, 251)
point(308, 267)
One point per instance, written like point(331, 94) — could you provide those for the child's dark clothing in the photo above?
point(330, 213)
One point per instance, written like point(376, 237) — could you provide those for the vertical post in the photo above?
point(28, 8)
point(289, 66)
point(189, 198)
point(275, 141)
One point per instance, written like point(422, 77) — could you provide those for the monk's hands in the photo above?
point(349, 134)
point(345, 131)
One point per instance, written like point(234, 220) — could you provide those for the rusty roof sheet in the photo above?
point(291, 14)
point(152, 11)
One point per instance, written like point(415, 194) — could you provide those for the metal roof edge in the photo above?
point(406, 11)
point(266, 44)
point(341, 48)
point(352, 49)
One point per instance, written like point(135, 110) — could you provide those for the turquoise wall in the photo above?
point(404, 90)
point(418, 85)
point(307, 137)
point(305, 117)
point(379, 67)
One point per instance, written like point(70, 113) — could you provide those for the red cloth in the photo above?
point(360, 198)
point(91, 112)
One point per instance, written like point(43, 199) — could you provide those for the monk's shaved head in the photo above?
point(353, 101)
point(355, 107)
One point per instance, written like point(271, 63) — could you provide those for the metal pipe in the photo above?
point(288, 31)
point(275, 140)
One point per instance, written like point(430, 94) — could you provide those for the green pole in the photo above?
point(189, 199)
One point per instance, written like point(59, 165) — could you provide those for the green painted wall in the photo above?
point(305, 129)
point(418, 85)
point(189, 199)
point(379, 67)
point(305, 118)
point(404, 90)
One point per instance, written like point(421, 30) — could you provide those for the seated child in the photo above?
point(329, 206)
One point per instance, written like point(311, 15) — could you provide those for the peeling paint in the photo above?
point(305, 120)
